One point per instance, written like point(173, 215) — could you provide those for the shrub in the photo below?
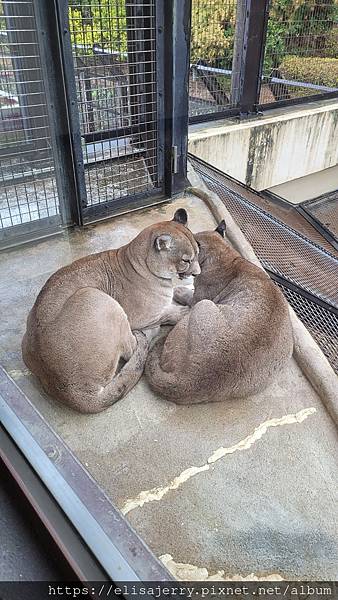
point(212, 31)
point(331, 43)
point(322, 71)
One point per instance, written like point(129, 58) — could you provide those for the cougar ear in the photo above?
point(181, 216)
point(163, 242)
point(221, 228)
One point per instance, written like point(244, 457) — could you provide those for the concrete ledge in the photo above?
point(266, 151)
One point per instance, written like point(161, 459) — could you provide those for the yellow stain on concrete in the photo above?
point(157, 493)
point(187, 572)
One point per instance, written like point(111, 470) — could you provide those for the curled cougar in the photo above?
point(236, 338)
point(83, 319)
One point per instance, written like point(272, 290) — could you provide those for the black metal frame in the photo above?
point(252, 19)
point(69, 173)
point(302, 210)
point(174, 64)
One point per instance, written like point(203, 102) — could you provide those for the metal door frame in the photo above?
point(172, 57)
point(57, 64)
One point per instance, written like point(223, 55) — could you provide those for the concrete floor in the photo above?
point(264, 503)
point(311, 186)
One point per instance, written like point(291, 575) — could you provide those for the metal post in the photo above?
point(251, 24)
point(54, 41)
point(177, 30)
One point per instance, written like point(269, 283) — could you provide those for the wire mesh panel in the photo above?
point(301, 53)
point(28, 191)
point(114, 49)
point(322, 323)
point(325, 210)
point(212, 51)
point(289, 255)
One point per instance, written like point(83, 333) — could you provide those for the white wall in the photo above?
point(280, 146)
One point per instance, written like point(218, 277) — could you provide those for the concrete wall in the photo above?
point(266, 151)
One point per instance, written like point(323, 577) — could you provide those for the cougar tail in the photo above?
point(162, 382)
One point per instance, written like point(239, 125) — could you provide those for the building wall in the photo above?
point(280, 146)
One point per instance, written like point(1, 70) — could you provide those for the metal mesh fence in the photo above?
point(301, 52)
point(212, 46)
point(322, 323)
point(289, 255)
point(114, 48)
point(325, 210)
point(27, 185)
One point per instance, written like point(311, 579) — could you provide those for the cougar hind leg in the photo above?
point(79, 352)
point(98, 400)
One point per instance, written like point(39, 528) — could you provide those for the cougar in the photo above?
point(236, 338)
point(83, 319)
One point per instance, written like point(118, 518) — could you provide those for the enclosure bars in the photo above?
point(141, 56)
point(247, 64)
point(157, 65)
point(158, 38)
point(20, 24)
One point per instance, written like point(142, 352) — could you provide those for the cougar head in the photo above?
point(210, 244)
point(173, 250)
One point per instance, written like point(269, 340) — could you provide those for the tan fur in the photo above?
point(82, 321)
point(235, 340)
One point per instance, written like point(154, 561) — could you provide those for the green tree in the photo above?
point(100, 23)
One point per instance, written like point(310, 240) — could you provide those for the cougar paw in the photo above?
point(177, 314)
point(141, 339)
point(183, 295)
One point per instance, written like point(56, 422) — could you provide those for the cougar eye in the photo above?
point(186, 261)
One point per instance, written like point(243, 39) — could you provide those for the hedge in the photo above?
point(322, 71)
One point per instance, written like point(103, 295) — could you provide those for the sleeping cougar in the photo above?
point(82, 321)
point(236, 338)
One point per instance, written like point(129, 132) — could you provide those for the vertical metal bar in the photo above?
point(251, 24)
point(68, 167)
point(177, 29)
point(79, 201)
point(160, 54)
